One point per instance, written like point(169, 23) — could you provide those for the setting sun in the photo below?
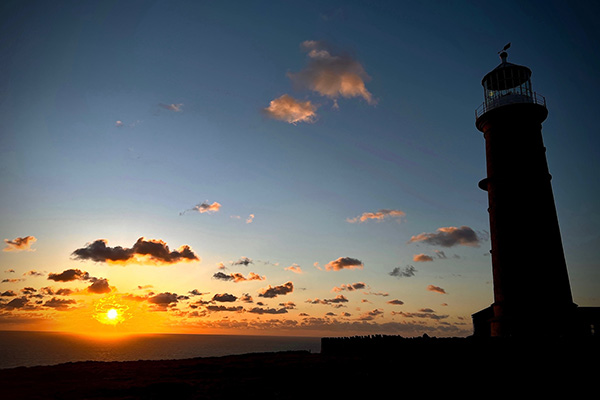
point(112, 314)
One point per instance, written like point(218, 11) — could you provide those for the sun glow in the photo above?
point(110, 312)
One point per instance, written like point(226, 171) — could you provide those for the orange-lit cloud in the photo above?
point(288, 109)
point(204, 207)
point(238, 277)
point(436, 289)
point(350, 288)
point(143, 251)
point(448, 237)
point(422, 258)
point(294, 268)
point(20, 244)
point(344, 263)
point(332, 75)
point(379, 215)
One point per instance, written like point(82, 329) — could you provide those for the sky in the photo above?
point(275, 167)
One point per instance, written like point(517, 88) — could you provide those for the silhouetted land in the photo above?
point(358, 367)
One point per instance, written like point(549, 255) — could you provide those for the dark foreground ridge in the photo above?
point(349, 368)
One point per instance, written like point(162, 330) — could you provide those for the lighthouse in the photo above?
point(532, 293)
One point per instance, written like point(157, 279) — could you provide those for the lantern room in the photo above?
point(507, 84)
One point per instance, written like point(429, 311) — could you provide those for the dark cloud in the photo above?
point(59, 304)
point(448, 237)
point(163, 299)
point(156, 250)
point(69, 275)
point(225, 308)
point(99, 285)
point(407, 272)
point(258, 310)
point(224, 297)
point(19, 302)
point(8, 293)
point(344, 263)
point(350, 287)
point(337, 300)
point(396, 302)
point(19, 244)
point(243, 261)
point(274, 291)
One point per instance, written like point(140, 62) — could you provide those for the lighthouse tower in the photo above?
point(532, 294)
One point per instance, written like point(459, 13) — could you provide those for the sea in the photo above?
point(28, 349)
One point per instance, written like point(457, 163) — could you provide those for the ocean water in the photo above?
point(27, 349)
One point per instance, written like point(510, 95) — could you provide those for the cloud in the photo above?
point(204, 207)
point(224, 297)
point(407, 272)
point(436, 289)
point(19, 302)
point(294, 268)
point(69, 275)
point(258, 310)
point(350, 288)
point(99, 285)
point(379, 216)
point(33, 273)
point(250, 219)
point(448, 237)
point(274, 291)
point(172, 107)
point(164, 298)
point(8, 293)
point(332, 75)
point(396, 302)
point(225, 308)
point(156, 251)
point(422, 258)
point(59, 304)
point(238, 277)
point(337, 300)
point(288, 109)
point(20, 244)
point(243, 261)
point(344, 263)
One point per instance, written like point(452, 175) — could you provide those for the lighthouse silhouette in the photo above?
point(532, 294)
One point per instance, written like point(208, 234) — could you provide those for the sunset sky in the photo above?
point(275, 167)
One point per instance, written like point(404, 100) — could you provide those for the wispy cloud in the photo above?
point(20, 244)
point(143, 251)
point(350, 287)
point(294, 268)
point(332, 75)
point(379, 215)
point(288, 109)
point(204, 207)
point(448, 237)
point(172, 107)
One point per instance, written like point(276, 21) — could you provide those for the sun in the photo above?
point(112, 314)
point(111, 311)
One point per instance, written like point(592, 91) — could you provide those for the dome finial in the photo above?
point(503, 53)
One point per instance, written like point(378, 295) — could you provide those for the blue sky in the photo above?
point(118, 118)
